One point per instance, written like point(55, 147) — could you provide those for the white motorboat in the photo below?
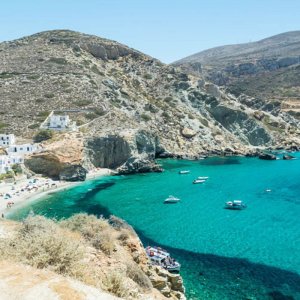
point(171, 199)
point(161, 257)
point(235, 204)
point(184, 172)
point(198, 181)
point(202, 177)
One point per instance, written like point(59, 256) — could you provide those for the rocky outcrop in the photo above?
point(267, 156)
point(73, 173)
point(188, 133)
point(169, 284)
point(139, 165)
point(58, 156)
point(288, 157)
point(131, 151)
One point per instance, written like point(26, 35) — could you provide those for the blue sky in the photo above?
point(165, 29)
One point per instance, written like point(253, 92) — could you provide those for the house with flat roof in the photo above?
point(7, 139)
point(21, 149)
point(7, 161)
point(58, 122)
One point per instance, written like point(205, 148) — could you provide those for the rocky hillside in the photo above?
point(83, 257)
point(127, 102)
point(267, 70)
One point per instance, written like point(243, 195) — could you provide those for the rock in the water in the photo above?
point(73, 173)
point(267, 156)
point(188, 133)
point(288, 157)
point(139, 165)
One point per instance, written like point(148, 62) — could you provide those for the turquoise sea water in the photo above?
point(249, 254)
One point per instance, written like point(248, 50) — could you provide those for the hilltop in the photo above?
point(267, 70)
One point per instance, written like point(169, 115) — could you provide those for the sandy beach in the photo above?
point(16, 194)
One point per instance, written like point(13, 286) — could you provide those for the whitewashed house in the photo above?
point(7, 161)
point(59, 122)
point(7, 139)
point(21, 149)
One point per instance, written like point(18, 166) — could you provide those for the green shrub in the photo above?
point(58, 60)
point(49, 95)
point(84, 102)
point(3, 125)
point(145, 117)
point(148, 76)
point(43, 135)
point(17, 169)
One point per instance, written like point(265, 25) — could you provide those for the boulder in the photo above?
point(267, 156)
point(288, 157)
point(188, 133)
point(73, 173)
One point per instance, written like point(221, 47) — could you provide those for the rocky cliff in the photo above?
point(83, 257)
point(115, 93)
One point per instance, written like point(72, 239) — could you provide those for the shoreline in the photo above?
point(42, 186)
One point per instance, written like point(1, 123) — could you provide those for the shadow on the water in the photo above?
point(233, 278)
point(226, 277)
point(219, 161)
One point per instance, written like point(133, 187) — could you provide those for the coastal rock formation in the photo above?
point(288, 157)
point(73, 173)
point(130, 151)
point(83, 257)
point(267, 156)
point(57, 155)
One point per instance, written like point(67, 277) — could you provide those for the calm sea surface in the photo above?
point(249, 254)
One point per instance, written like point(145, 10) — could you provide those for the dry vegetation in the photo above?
point(84, 247)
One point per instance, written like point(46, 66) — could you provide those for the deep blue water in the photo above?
point(249, 254)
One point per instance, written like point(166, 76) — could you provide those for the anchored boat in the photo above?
point(161, 257)
point(198, 181)
point(171, 199)
point(235, 204)
point(184, 172)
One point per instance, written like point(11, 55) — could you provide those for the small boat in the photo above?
point(184, 172)
point(161, 257)
point(198, 181)
point(202, 177)
point(171, 199)
point(235, 204)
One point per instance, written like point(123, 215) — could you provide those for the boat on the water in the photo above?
point(171, 199)
point(161, 257)
point(202, 177)
point(235, 204)
point(184, 172)
point(198, 181)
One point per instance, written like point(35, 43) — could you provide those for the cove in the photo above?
point(249, 254)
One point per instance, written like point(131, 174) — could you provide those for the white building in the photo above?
point(6, 140)
point(7, 161)
point(59, 122)
point(21, 149)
